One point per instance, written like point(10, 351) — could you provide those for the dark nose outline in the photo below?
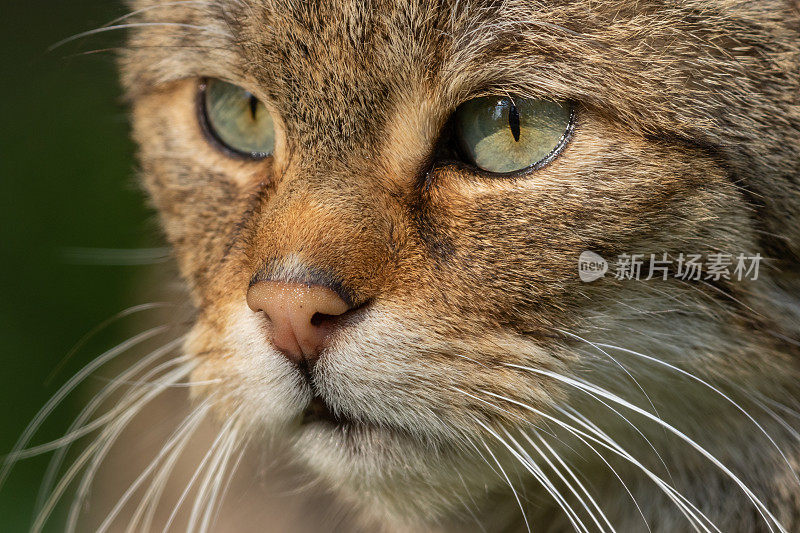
point(291, 272)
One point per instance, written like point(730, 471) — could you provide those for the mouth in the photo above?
point(319, 412)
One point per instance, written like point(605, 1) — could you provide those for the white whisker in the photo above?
point(718, 392)
point(202, 500)
point(223, 433)
point(762, 509)
point(135, 309)
point(616, 362)
point(93, 405)
point(687, 508)
point(217, 480)
point(65, 389)
point(97, 450)
point(582, 440)
point(161, 5)
point(213, 511)
point(538, 473)
point(118, 426)
point(593, 514)
point(180, 435)
point(606, 442)
point(76, 433)
point(505, 477)
point(104, 29)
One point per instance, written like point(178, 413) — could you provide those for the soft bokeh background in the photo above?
point(66, 182)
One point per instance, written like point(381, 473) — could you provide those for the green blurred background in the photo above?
point(66, 182)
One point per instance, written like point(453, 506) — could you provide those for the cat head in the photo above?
point(386, 295)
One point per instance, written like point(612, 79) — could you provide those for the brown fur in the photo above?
point(687, 140)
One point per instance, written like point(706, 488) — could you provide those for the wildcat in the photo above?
point(378, 209)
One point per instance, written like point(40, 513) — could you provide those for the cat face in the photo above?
point(465, 315)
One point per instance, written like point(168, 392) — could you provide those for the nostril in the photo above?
point(323, 319)
point(318, 319)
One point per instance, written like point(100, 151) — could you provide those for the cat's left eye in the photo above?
point(506, 135)
point(237, 120)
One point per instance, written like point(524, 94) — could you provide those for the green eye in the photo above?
point(503, 135)
point(237, 119)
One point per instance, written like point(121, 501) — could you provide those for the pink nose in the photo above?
point(301, 315)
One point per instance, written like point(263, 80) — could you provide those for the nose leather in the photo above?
point(301, 316)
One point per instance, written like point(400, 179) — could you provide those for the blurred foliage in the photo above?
point(66, 180)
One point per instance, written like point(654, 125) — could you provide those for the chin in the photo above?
point(388, 476)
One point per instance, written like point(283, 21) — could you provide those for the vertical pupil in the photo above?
point(513, 121)
point(253, 102)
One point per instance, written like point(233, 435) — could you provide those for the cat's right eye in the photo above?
point(236, 119)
